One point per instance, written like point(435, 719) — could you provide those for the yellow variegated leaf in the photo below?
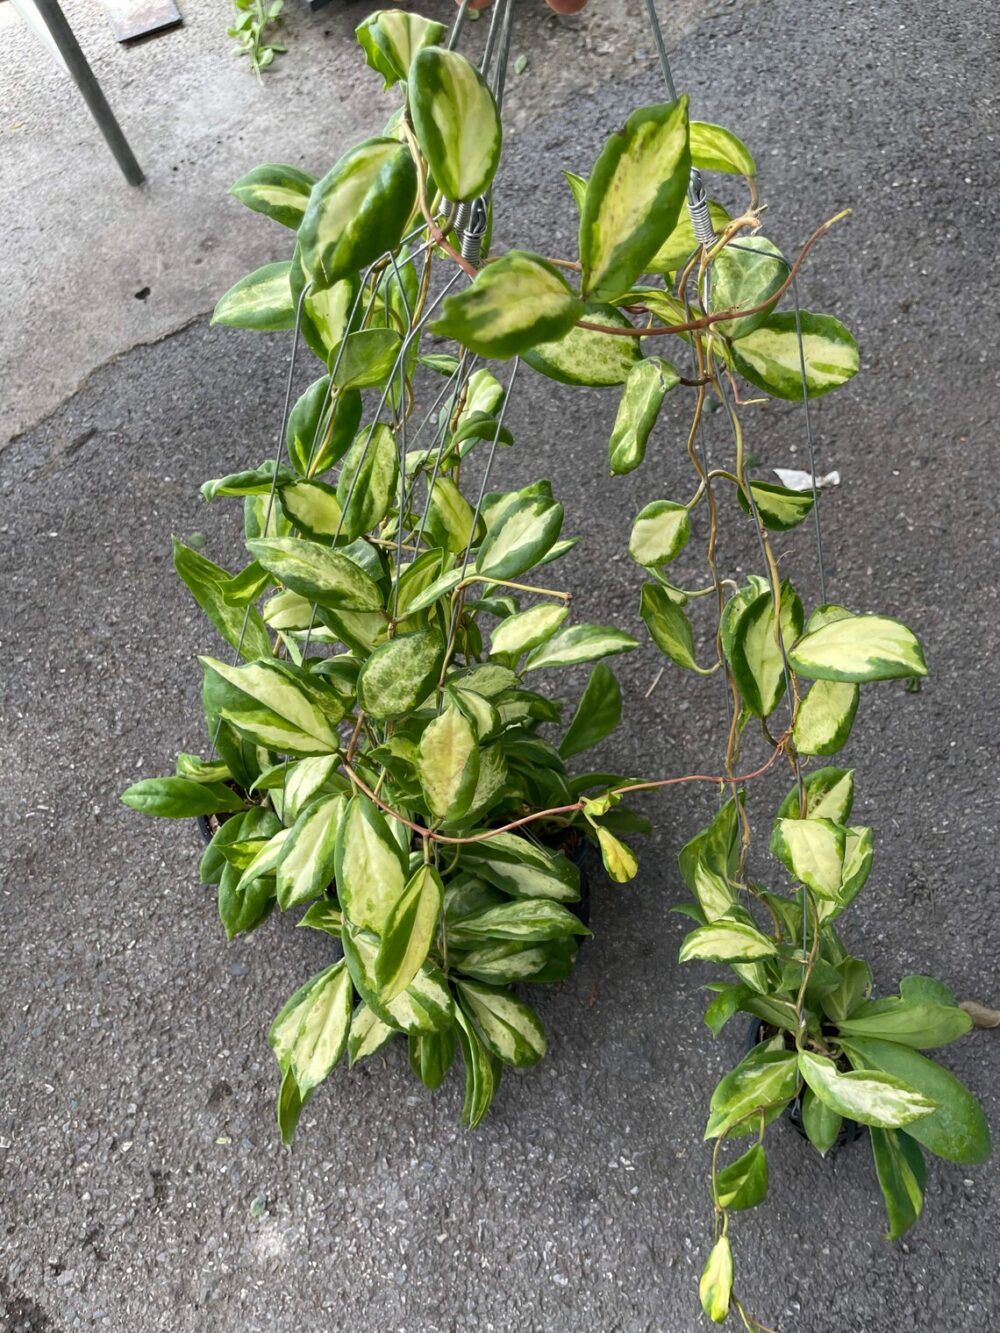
point(370, 866)
point(769, 356)
point(456, 122)
point(859, 648)
point(262, 300)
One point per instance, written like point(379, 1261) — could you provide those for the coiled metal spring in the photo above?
point(471, 221)
point(701, 218)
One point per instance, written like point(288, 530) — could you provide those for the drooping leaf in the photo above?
point(780, 509)
point(821, 1124)
point(432, 1055)
point(829, 794)
point(307, 864)
point(859, 648)
point(923, 1024)
point(597, 714)
point(370, 865)
point(743, 1184)
point(391, 39)
point(755, 655)
point(618, 859)
point(456, 122)
point(180, 798)
point(668, 626)
point(277, 705)
point(769, 356)
point(510, 1029)
point(648, 383)
point(634, 195)
point(763, 1080)
point(902, 1174)
point(409, 933)
point(482, 1071)
point(206, 582)
point(715, 1287)
point(824, 717)
point(322, 1036)
point(368, 1034)
point(448, 764)
point(515, 303)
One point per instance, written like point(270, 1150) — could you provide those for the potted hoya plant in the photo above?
point(381, 753)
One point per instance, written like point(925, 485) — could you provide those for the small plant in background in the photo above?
point(380, 758)
point(250, 27)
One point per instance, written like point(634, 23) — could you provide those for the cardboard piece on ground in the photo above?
point(132, 20)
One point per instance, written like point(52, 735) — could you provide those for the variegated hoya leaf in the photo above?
point(321, 1038)
point(715, 1287)
point(514, 304)
point(409, 932)
point(307, 865)
point(511, 1029)
point(318, 574)
point(754, 652)
point(482, 1071)
point(746, 273)
point(368, 1034)
point(778, 507)
point(867, 1096)
point(399, 674)
point(277, 705)
point(726, 942)
point(769, 356)
point(585, 356)
point(716, 149)
point(522, 868)
point(634, 196)
point(824, 717)
point(358, 211)
point(526, 533)
point(277, 190)
point(369, 480)
point(812, 850)
point(648, 383)
point(390, 38)
point(526, 630)
point(660, 532)
point(262, 300)
point(859, 648)
point(580, 643)
point(456, 122)
point(370, 865)
point(448, 764)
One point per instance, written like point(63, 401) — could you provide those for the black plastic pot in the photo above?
point(850, 1130)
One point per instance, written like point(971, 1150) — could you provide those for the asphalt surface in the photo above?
point(143, 1186)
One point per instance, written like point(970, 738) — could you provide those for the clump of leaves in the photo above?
point(254, 19)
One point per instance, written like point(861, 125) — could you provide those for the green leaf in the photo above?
point(821, 1124)
point(449, 517)
point(769, 356)
point(278, 191)
point(715, 1287)
point(725, 941)
point(648, 383)
point(327, 311)
point(365, 358)
point(313, 508)
point(368, 1035)
point(668, 626)
point(277, 705)
point(859, 648)
point(921, 1023)
point(619, 860)
point(432, 1055)
point(370, 865)
point(526, 532)
point(511, 1030)
point(958, 1130)
point(762, 1079)
point(324, 916)
point(586, 357)
point(717, 847)
point(514, 304)
point(780, 509)
point(289, 1107)
point(400, 674)
point(409, 933)
point(745, 273)
point(456, 122)
point(358, 211)
point(824, 717)
point(426, 1004)
point(369, 481)
point(829, 794)
point(180, 798)
point(307, 864)
point(812, 850)
point(522, 869)
point(322, 1036)
point(634, 196)
point(754, 652)
point(743, 1184)
point(482, 1071)
point(660, 532)
point(716, 149)
point(262, 300)
point(580, 643)
point(318, 574)
point(870, 1097)
point(529, 920)
point(597, 714)
point(449, 765)
point(391, 39)
point(206, 580)
point(679, 246)
point(259, 481)
point(508, 961)
point(899, 1165)
point(528, 629)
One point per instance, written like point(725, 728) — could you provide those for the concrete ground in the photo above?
point(143, 1187)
